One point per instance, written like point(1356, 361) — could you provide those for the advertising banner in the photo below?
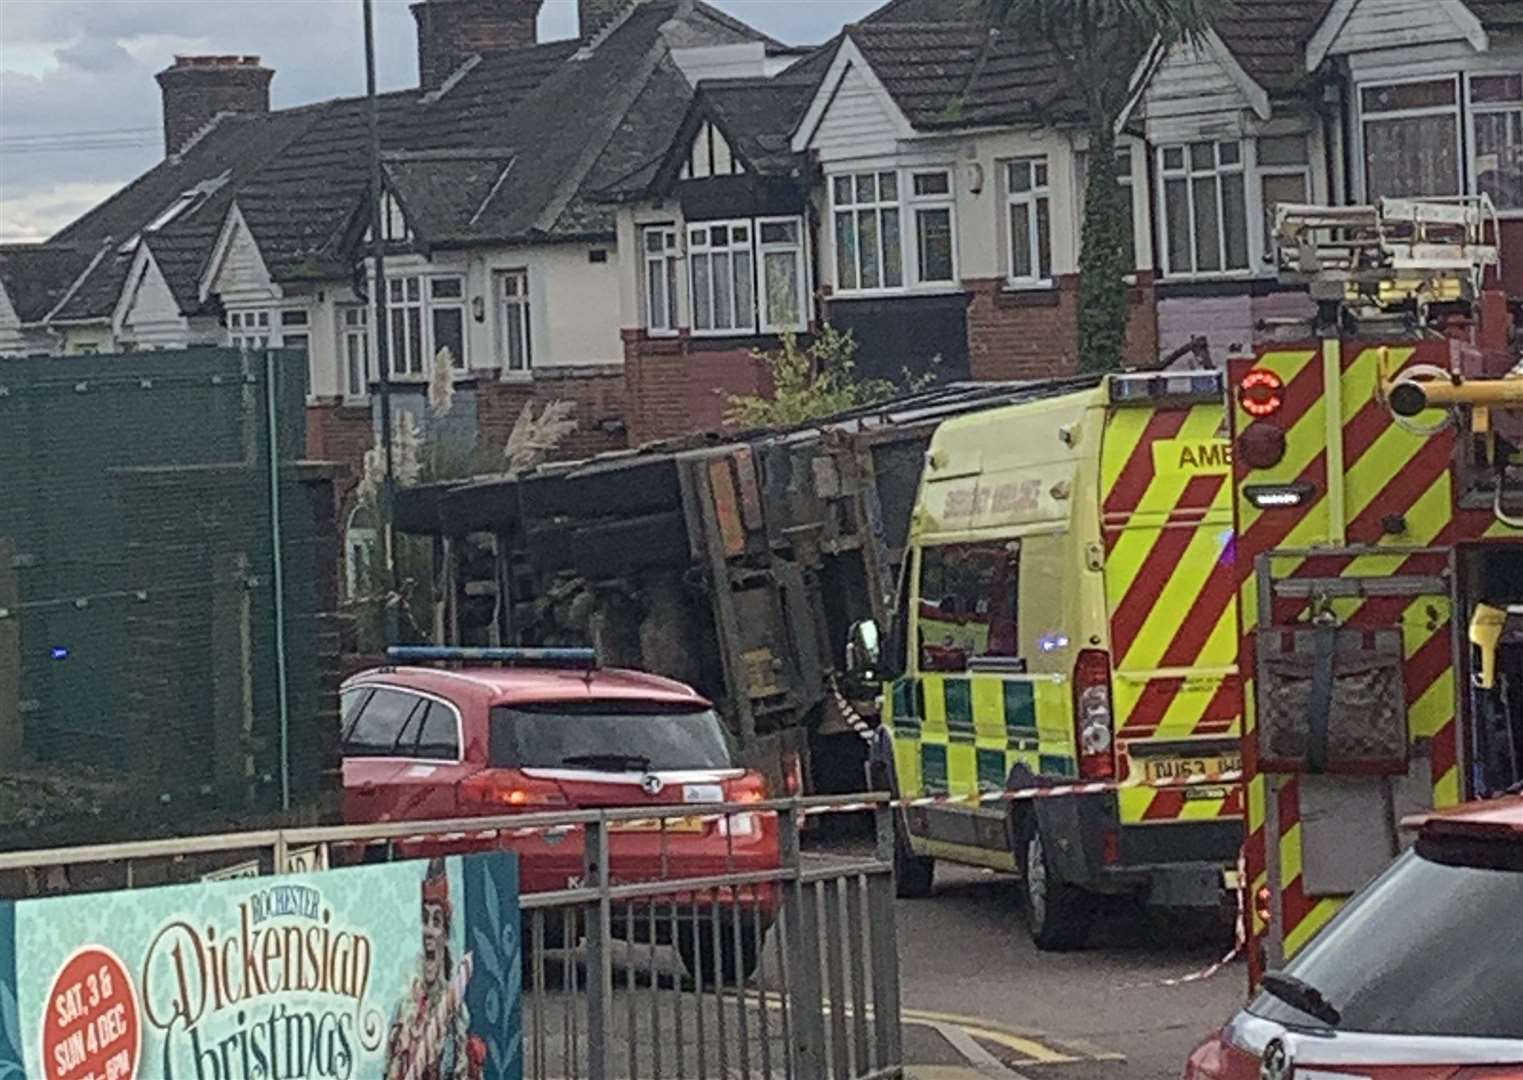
point(401, 971)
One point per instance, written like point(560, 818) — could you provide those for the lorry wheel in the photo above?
point(914, 875)
point(1058, 913)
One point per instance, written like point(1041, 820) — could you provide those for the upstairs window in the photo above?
point(513, 345)
point(721, 276)
point(1496, 124)
point(1029, 201)
point(869, 253)
point(1205, 219)
point(354, 349)
point(661, 289)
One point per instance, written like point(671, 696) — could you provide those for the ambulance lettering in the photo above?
point(1192, 457)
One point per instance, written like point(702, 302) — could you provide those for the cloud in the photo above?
point(36, 215)
point(86, 66)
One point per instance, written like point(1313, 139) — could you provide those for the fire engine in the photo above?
point(1378, 515)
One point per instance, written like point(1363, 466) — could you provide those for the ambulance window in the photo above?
point(969, 599)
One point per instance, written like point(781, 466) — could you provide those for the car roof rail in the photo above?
point(571, 659)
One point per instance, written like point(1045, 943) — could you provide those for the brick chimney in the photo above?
point(450, 32)
point(197, 88)
point(593, 15)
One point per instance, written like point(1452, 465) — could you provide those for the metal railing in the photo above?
point(788, 970)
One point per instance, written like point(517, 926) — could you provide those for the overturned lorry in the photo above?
point(739, 565)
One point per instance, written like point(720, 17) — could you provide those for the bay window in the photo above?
point(1029, 209)
point(268, 328)
point(931, 198)
point(354, 349)
point(781, 259)
point(427, 315)
point(661, 290)
point(1284, 167)
point(1496, 126)
point(721, 273)
point(1411, 133)
point(1205, 208)
point(869, 252)
point(513, 341)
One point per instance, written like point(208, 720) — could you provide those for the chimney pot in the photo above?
point(196, 88)
point(450, 32)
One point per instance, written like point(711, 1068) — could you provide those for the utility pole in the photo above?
point(378, 291)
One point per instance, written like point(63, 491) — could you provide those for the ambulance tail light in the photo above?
point(1093, 717)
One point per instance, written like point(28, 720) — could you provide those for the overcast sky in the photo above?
point(79, 110)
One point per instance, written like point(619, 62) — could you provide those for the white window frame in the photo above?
point(1361, 118)
point(668, 263)
point(763, 248)
point(404, 366)
point(1472, 112)
point(1188, 173)
point(521, 301)
point(1031, 199)
point(919, 204)
point(1262, 172)
point(736, 250)
point(855, 208)
point(354, 335)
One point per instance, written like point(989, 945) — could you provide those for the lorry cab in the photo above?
point(1065, 615)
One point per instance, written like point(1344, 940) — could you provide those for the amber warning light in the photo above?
point(1261, 393)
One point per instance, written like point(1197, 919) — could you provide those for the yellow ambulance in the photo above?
point(1066, 615)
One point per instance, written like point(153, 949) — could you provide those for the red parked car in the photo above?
point(1420, 977)
point(519, 731)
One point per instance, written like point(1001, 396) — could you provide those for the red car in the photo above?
point(520, 731)
point(1420, 977)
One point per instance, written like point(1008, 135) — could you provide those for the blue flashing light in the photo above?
point(580, 659)
point(59, 652)
point(1053, 642)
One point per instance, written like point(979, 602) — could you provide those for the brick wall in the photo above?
point(597, 391)
point(1016, 334)
point(680, 385)
point(340, 433)
point(452, 31)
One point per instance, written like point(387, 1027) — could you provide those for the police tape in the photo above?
point(1239, 939)
point(660, 823)
point(857, 721)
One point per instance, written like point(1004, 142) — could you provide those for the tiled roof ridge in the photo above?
point(629, 93)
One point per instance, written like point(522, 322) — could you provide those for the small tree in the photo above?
point(808, 383)
point(1084, 36)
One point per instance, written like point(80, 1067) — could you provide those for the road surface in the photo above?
point(965, 955)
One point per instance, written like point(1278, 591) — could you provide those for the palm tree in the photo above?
point(1086, 36)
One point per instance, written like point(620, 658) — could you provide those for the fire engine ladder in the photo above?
point(1397, 253)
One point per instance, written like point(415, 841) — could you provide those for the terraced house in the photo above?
point(620, 219)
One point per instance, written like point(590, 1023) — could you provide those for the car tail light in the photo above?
point(749, 788)
point(509, 790)
point(1092, 715)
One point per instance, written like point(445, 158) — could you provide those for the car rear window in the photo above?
point(614, 736)
point(1433, 947)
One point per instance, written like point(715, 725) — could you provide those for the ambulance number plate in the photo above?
point(1183, 768)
